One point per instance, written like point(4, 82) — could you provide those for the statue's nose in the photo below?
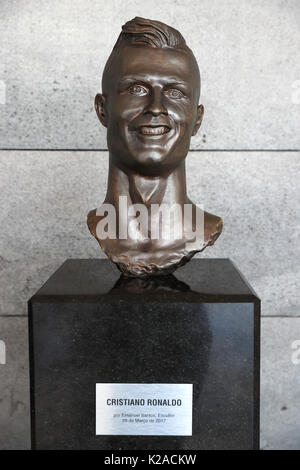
point(156, 105)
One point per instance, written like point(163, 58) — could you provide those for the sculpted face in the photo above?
point(150, 107)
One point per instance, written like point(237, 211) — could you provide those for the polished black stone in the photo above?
point(89, 325)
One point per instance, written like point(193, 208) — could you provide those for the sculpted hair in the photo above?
point(150, 33)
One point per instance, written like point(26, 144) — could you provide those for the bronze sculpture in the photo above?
point(149, 104)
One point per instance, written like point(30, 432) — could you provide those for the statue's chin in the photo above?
point(150, 161)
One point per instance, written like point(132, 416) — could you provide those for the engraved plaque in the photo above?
point(144, 409)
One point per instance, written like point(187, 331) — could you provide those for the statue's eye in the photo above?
point(138, 90)
point(174, 94)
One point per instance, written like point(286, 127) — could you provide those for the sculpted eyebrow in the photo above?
point(178, 84)
point(129, 79)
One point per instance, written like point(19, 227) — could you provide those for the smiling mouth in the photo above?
point(154, 130)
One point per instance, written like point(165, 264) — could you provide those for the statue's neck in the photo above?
point(144, 189)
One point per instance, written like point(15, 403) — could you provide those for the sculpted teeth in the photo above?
point(154, 130)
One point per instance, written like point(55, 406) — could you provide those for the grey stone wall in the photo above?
point(244, 167)
point(53, 54)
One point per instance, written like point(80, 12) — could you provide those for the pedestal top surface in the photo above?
point(216, 280)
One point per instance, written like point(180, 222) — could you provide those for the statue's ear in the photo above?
point(101, 109)
point(200, 112)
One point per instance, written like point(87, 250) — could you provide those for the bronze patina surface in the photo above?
point(149, 105)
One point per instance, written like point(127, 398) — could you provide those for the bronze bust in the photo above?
point(149, 104)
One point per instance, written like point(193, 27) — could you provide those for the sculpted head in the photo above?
point(149, 100)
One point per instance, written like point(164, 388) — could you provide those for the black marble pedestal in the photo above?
point(90, 325)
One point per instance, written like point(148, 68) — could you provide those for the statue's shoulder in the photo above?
point(92, 220)
point(213, 224)
point(94, 216)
